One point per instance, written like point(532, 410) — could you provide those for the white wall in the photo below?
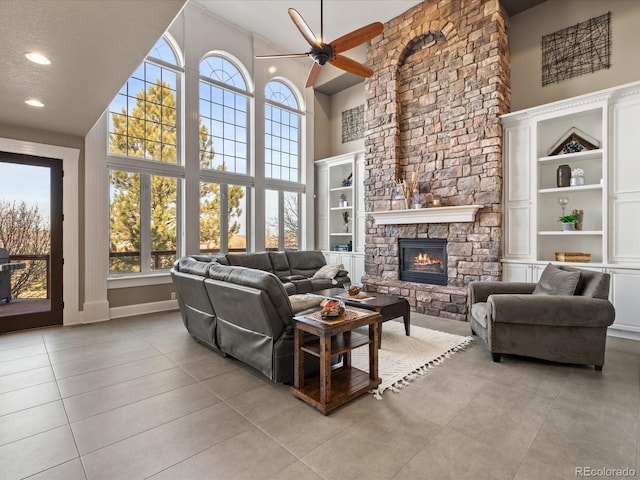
point(323, 145)
point(525, 40)
point(328, 121)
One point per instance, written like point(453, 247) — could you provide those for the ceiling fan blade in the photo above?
point(351, 66)
point(282, 55)
point(355, 38)
point(313, 75)
point(304, 28)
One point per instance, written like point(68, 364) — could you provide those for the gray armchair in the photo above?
point(511, 319)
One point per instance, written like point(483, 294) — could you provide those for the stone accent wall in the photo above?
point(440, 83)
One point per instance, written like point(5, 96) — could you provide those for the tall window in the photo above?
point(283, 120)
point(224, 132)
point(223, 116)
point(282, 133)
point(144, 196)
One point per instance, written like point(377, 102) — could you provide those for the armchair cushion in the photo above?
point(481, 313)
point(554, 281)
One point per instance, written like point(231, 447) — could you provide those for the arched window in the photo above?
point(143, 118)
point(224, 121)
point(282, 133)
point(144, 200)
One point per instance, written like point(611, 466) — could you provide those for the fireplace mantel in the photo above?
point(462, 213)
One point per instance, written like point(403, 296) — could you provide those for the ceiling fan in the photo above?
point(321, 52)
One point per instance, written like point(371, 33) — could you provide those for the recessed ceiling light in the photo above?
point(38, 58)
point(34, 103)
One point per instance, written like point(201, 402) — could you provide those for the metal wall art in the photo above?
point(576, 50)
point(353, 124)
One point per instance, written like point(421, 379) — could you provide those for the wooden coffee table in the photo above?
point(334, 387)
point(388, 306)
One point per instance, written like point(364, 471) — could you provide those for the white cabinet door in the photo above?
point(516, 272)
point(361, 214)
point(358, 269)
point(625, 168)
point(625, 288)
point(322, 207)
point(517, 184)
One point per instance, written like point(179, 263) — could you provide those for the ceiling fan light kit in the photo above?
point(321, 52)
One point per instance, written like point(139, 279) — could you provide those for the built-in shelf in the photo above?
point(576, 188)
point(571, 157)
point(462, 213)
point(570, 232)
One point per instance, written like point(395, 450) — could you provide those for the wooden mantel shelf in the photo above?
point(463, 213)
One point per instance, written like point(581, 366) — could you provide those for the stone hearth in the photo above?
point(441, 82)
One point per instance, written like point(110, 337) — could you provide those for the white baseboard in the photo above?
point(143, 308)
point(628, 334)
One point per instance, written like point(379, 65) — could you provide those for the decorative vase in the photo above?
point(575, 181)
point(563, 176)
point(345, 227)
point(567, 227)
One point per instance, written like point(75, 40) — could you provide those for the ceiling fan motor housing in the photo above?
point(321, 54)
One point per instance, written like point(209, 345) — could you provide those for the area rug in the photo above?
point(403, 359)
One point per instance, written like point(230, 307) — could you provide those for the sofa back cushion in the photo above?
point(280, 264)
point(259, 261)
point(259, 280)
point(592, 284)
point(194, 265)
point(305, 263)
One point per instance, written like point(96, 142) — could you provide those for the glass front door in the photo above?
point(30, 242)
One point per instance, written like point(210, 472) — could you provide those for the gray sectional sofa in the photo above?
point(238, 304)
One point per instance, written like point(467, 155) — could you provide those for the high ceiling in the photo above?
point(94, 46)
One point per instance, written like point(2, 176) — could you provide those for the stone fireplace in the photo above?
point(440, 83)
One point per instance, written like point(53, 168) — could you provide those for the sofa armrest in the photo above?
point(291, 278)
point(555, 310)
point(480, 291)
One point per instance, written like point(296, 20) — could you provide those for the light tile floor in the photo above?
point(139, 398)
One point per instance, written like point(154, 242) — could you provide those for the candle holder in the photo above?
point(563, 201)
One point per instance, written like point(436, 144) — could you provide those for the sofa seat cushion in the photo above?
point(555, 281)
point(481, 313)
point(305, 301)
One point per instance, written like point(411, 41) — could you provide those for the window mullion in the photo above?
point(145, 223)
point(281, 229)
point(224, 217)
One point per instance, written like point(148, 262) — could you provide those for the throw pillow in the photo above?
point(301, 302)
point(328, 271)
point(555, 281)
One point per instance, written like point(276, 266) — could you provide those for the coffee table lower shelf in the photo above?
point(347, 383)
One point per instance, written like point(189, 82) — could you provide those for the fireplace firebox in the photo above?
point(423, 260)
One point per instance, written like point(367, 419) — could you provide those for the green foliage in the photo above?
point(149, 132)
point(24, 230)
point(568, 219)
